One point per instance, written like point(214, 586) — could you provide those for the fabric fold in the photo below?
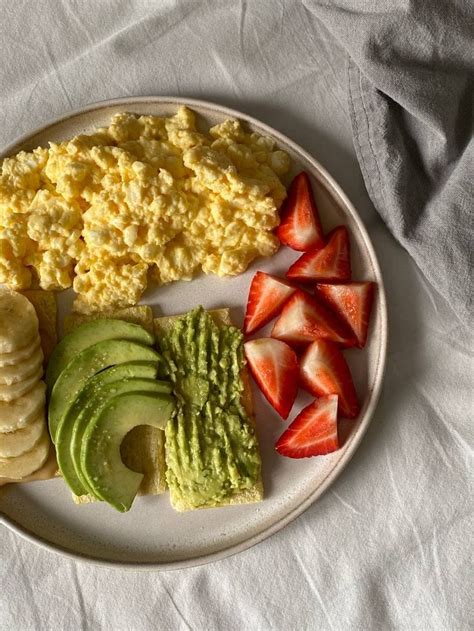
point(410, 85)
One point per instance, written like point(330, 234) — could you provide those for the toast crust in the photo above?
point(44, 303)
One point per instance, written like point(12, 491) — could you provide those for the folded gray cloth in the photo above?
point(410, 85)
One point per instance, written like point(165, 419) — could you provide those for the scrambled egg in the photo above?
point(145, 197)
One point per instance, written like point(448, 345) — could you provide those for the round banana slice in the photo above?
point(19, 413)
point(21, 371)
point(16, 443)
point(17, 390)
point(8, 359)
point(21, 466)
point(18, 321)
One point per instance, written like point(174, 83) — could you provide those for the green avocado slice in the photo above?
point(94, 405)
point(101, 461)
point(93, 386)
point(87, 363)
point(89, 334)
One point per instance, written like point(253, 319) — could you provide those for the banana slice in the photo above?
point(19, 413)
point(16, 443)
point(21, 371)
point(17, 390)
point(8, 359)
point(21, 466)
point(18, 321)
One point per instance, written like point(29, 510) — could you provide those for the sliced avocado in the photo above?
point(137, 370)
point(88, 334)
point(87, 363)
point(101, 461)
point(94, 405)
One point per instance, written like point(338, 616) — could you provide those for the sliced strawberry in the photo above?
point(313, 432)
point(323, 370)
point(332, 263)
point(275, 368)
point(300, 226)
point(267, 296)
point(353, 303)
point(304, 318)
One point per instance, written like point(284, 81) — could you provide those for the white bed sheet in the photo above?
point(388, 546)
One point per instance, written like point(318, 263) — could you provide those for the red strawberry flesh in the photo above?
point(313, 432)
point(304, 318)
point(331, 263)
point(267, 295)
point(274, 366)
point(324, 370)
point(300, 226)
point(353, 303)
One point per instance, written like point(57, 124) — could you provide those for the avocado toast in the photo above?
point(209, 452)
point(143, 448)
point(220, 464)
point(212, 453)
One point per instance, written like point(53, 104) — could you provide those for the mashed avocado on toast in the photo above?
point(212, 453)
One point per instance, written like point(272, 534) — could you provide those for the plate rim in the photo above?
point(363, 424)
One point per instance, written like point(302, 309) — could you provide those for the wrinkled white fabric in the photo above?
point(389, 545)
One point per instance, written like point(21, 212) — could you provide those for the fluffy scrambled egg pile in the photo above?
point(145, 196)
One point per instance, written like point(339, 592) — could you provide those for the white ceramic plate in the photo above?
point(152, 535)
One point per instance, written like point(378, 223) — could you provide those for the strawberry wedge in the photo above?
point(313, 432)
point(275, 369)
point(304, 318)
point(323, 371)
point(267, 296)
point(331, 263)
point(353, 303)
point(300, 226)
